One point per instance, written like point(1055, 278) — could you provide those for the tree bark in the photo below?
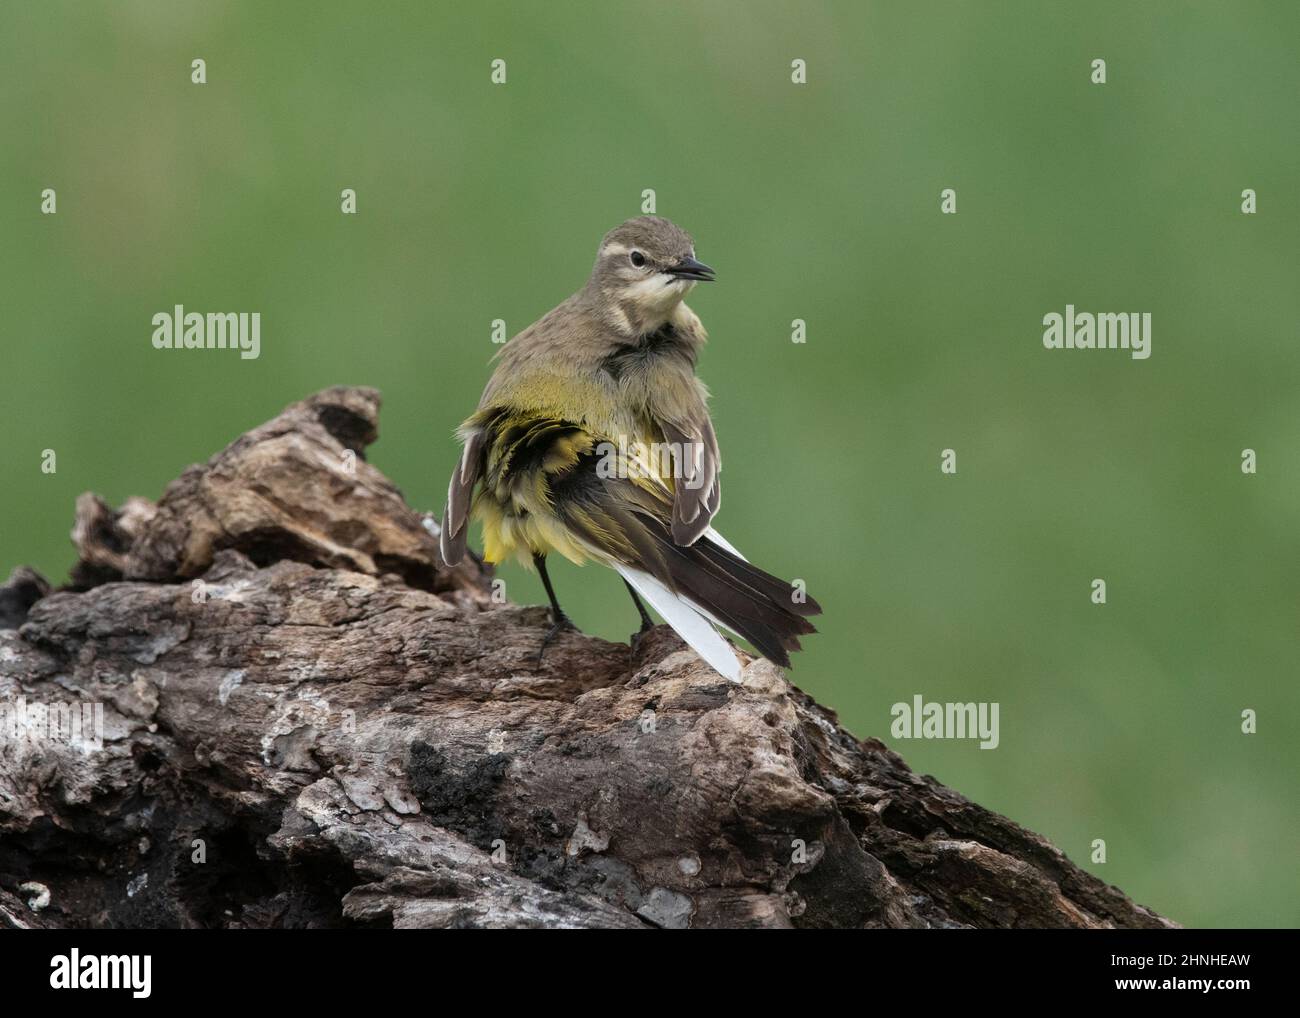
point(309, 720)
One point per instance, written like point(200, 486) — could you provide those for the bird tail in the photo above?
point(709, 583)
point(687, 622)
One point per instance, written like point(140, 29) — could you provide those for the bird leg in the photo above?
point(647, 623)
point(559, 620)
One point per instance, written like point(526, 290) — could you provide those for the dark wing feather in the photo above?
point(460, 495)
point(697, 493)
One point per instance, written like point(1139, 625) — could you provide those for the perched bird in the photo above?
point(593, 439)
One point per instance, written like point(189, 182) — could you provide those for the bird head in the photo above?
point(646, 266)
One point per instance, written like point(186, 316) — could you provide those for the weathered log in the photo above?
point(309, 720)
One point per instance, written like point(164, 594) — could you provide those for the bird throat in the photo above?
point(644, 311)
point(637, 353)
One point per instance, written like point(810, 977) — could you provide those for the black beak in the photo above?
point(689, 268)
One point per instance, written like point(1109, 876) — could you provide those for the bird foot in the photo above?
point(561, 623)
point(634, 641)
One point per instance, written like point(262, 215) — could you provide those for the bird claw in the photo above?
point(559, 625)
point(634, 641)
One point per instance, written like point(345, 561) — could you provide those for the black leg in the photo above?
point(647, 623)
point(557, 613)
point(559, 620)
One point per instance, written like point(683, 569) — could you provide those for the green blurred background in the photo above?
point(819, 202)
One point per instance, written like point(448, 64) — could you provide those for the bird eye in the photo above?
point(638, 259)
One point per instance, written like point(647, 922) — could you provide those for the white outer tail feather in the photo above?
point(722, 542)
point(689, 623)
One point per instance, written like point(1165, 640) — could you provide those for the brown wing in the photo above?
point(460, 495)
point(698, 491)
